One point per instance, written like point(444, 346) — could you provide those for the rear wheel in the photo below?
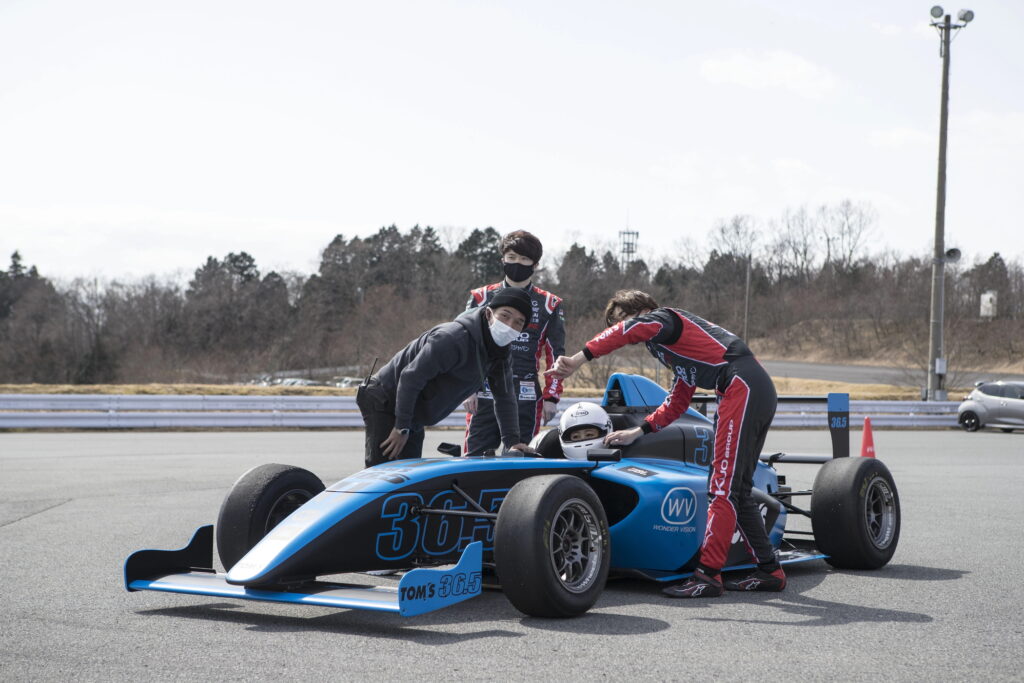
point(969, 421)
point(855, 513)
point(551, 546)
point(259, 501)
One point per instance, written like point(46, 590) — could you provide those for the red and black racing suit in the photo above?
point(702, 354)
point(544, 336)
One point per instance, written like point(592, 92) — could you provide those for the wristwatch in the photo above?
point(404, 432)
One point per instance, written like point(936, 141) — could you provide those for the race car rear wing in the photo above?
point(838, 427)
point(839, 424)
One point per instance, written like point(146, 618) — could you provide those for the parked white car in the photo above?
point(993, 404)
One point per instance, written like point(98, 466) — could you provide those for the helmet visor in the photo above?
point(582, 433)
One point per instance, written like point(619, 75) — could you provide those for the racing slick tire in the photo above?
point(257, 502)
point(855, 513)
point(551, 546)
point(970, 421)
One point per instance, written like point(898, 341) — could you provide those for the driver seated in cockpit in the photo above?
point(583, 426)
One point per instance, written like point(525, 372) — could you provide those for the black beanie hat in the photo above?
point(513, 297)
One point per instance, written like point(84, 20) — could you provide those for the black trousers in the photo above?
point(483, 433)
point(378, 411)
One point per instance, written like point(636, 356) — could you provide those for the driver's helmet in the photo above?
point(582, 427)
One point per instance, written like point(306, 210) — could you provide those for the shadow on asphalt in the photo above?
point(824, 612)
point(350, 622)
point(599, 624)
point(911, 572)
point(792, 601)
point(492, 606)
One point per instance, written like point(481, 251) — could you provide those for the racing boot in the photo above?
point(766, 577)
point(700, 585)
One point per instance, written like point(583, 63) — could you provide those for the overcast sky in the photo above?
point(139, 137)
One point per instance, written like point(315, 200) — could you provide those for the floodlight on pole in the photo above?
point(936, 360)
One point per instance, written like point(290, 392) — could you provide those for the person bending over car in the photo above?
point(702, 354)
point(544, 336)
point(434, 373)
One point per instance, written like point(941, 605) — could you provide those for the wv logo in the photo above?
point(679, 506)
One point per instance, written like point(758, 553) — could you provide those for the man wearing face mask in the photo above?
point(424, 382)
point(544, 336)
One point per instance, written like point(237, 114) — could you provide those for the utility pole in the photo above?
point(937, 361)
point(746, 297)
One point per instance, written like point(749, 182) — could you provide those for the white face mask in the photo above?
point(502, 334)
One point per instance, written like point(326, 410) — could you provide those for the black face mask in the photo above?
point(517, 272)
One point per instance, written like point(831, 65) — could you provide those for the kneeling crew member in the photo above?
point(702, 354)
point(424, 382)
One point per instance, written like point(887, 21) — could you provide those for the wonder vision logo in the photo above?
point(679, 506)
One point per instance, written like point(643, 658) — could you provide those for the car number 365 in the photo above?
point(433, 534)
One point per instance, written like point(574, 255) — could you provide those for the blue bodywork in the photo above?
point(641, 392)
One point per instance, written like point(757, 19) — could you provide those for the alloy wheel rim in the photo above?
point(576, 546)
point(880, 513)
point(286, 504)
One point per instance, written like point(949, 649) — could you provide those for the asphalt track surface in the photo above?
point(74, 505)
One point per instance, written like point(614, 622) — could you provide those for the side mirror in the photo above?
point(604, 455)
point(452, 449)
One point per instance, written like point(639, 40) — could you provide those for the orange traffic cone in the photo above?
point(867, 441)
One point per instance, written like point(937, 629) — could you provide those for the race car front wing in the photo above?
point(190, 570)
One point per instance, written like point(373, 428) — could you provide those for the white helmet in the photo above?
point(584, 415)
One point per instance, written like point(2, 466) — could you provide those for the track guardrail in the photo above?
point(103, 411)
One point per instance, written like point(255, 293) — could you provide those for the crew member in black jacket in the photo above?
point(424, 382)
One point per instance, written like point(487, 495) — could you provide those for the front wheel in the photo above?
point(969, 421)
point(855, 513)
point(551, 546)
point(259, 501)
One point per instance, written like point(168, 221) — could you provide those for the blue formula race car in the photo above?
point(547, 529)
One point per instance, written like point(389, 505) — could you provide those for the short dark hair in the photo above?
point(630, 302)
point(523, 243)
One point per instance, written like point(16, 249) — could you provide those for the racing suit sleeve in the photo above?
point(476, 298)
point(675, 404)
point(435, 358)
point(659, 326)
point(554, 346)
point(499, 377)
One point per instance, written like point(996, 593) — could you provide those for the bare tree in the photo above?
point(845, 228)
point(795, 246)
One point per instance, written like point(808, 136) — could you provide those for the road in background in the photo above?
point(872, 374)
point(74, 505)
